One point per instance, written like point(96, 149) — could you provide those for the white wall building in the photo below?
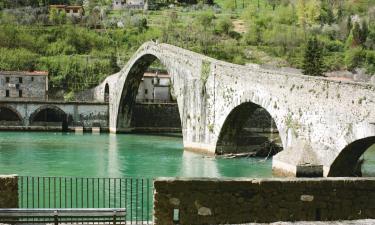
point(22, 85)
point(129, 4)
point(154, 87)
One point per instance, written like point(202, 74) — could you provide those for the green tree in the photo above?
point(313, 58)
point(54, 16)
point(113, 63)
point(326, 13)
point(359, 33)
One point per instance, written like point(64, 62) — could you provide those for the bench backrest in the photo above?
point(69, 212)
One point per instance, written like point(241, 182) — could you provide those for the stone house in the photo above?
point(23, 85)
point(154, 87)
point(129, 4)
point(71, 11)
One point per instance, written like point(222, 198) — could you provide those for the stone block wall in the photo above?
point(8, 192)
point(212, 201)
point(156, 115)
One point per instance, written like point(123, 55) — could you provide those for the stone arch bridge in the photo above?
point(34, 115)
point(321, 122)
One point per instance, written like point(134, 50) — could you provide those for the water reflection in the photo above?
point(113, 164)
point(194, 165)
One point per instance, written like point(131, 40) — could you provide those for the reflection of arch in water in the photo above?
point(9, 115)
point(113, 165)
point(347, 163)
point(194, 165)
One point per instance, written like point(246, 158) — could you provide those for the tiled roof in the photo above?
point(163, 75)
point(24, 73)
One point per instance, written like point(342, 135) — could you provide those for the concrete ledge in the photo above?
point(282, 169)
point(78, 129)
point(95, 130)
point(199, 148)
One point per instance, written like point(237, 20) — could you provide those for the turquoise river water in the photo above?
point(122, 155)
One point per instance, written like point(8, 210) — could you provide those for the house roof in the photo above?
point(24, 73)
point(66, 6)
point(162, 75)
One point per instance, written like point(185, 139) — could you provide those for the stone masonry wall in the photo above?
point(86, 114)
point(212, 201)
point(156, 115)
point(8, 192)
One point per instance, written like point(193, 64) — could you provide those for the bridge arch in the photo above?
point(106, 92)
point(232, 136)
point(348, 163)
point(128, 89)
point(9, 114)
point(48, 113)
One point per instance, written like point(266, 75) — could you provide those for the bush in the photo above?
point(334, 61)
point(224, 25)
point(370, 62)
point(17, 59)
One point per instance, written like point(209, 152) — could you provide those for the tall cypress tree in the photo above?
point(113, 63)
point(313, 60)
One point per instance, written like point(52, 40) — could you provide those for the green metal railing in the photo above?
point(134, 194)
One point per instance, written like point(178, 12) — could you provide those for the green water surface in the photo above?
point(123, 155)
point(110, 155)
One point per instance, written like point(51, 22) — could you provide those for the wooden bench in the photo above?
point(56, 216)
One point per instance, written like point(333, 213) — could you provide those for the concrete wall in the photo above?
point(211, 201)
point(8, 191)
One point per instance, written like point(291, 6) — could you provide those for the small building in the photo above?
point(70, 10)
point(129, 4)
point(154, 87)
point(23, 85)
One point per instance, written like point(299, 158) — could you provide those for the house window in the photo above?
point(7, 79)
point(75, 10)
point(20, 93)
point(146, 91)
point(7, 93)
point(20, 80)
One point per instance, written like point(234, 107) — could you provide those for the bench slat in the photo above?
point(72, 212)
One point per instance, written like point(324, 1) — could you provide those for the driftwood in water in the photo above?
point(239, 155)
point(267, 149)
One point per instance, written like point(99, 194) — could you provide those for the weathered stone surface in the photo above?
point(86, 114)
point(317, 118)
point(235, 201)
point(156, 116)
point(8, 191)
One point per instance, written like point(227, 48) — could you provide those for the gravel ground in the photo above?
point(346, 222)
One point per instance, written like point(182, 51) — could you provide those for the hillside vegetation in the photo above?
point(80, 53)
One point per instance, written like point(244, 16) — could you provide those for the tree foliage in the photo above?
point(313, 58)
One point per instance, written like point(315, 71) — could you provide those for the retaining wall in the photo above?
point(8, 192)
point(212, 201)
